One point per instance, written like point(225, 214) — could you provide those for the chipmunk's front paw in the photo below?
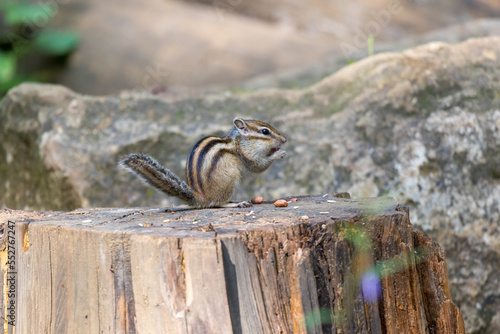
point(279, 154)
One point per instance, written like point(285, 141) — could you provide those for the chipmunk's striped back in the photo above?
point(206, 169)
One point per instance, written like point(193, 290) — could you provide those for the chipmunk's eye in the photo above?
point(265, 132)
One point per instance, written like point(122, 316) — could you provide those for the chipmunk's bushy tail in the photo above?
point(157, 176)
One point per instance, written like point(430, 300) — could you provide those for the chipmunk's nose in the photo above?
point(283, 139)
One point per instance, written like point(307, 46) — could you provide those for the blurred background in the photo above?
point(422, 126)
point(168, 46)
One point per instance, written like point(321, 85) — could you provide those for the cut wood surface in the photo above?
point(324, 264)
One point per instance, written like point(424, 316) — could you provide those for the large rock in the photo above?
point(340, 19)
point(226, 42)
point(303, 76)
point(173, 44)
point(422, 125)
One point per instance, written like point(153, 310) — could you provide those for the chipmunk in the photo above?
point(215, 164)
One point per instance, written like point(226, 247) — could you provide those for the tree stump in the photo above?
point(324, 264)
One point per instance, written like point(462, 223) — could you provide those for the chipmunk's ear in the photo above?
point(239, 124)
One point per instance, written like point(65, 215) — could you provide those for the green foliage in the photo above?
point(370, 49)
point(370, 45)
point(19, 12)
point(56, 43)
point(23, 38)
point(7, 67)
point(8, 75)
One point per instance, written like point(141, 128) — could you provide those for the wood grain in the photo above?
point(256, 270)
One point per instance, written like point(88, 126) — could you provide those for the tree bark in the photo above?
point(324, 264)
